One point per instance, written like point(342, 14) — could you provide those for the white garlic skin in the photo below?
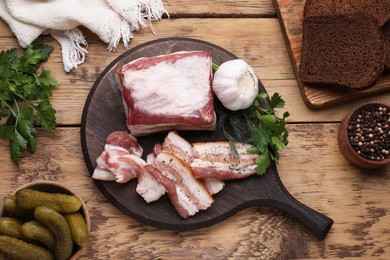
point(235, 84)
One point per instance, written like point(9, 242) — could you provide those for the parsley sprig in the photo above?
point(258, 125)
point(269, 133)
point(24, 97)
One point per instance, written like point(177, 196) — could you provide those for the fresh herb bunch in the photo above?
point(24, 97)
point(269, 133)
point(258, 125)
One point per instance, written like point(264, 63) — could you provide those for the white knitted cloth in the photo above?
point(111, 20)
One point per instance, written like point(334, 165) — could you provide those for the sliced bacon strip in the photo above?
point(216, 160)
point(179, 200)
point(181, 148)
point(156, 149)
point(189, 173)
point(102, 174)
point(213, 185)
point(117, 140)
point(120, 161)
point(178, 146)
point(187, 194)
point(101, 171)
point(122, 164)
point(125, 140)
point(148, 187)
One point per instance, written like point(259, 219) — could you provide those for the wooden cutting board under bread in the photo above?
point(290, 13)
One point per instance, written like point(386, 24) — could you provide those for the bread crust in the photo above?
point(386, 36)
point(345, 51)
point(379, 10)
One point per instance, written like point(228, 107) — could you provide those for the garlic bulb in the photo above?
point(235, 84)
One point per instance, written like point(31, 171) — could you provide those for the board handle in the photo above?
point(318, 223)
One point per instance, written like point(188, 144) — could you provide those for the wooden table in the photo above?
point(311, 167)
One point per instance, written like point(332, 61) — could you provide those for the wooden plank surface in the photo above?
point(258, 41)
point(317, 175)
point(320, 177)
point(229, 8)
point(290, 13)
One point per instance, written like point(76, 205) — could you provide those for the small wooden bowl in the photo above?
point(54, 187)
point(345, 145)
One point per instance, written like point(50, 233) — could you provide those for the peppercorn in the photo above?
point(368, 133)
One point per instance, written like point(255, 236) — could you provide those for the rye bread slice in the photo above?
point(344, 51)
point(377, 9)
point(386, 37)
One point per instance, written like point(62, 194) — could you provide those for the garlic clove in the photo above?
point(235, 84)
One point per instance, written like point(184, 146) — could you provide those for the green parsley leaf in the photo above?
point(6, 131)
point(24, 97)
point(261, 95)
point(277, 142)
point(45, 50)
point(45, 81)
point(17, 143)
point(276, 101)
point(3, 114)
point(46, 115)
point(28, 63)
point(262, 163)
point(26, 128)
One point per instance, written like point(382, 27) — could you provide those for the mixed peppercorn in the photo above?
point(369, 133)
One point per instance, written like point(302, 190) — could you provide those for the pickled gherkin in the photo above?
point(11, 227)
point(13, 208)
point(31, 199)
point(58, 225)
point(35, 230)
point(13, 248)
point(78, 227)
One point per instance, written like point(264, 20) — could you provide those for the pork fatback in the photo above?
point(168, 92)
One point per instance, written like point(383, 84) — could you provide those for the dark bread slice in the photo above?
point(377, 9)
point(386, 37)
point(342, 51)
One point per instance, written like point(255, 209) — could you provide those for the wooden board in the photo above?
point(290, 13)
point(103, 113)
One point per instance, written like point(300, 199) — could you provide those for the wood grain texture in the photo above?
point(311, 167)
point(320, 177)
point(290, 13)
point(258, 41)
point(218, 8)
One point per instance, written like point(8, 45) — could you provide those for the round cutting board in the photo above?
point(104, 113)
